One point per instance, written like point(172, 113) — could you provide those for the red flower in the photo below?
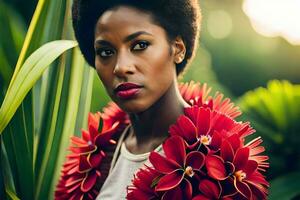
point(199, 125)
point(210, 190)
point(142, 187)
point(197, 94)
point(81, 171)
point(232, 168)
point(176, 168)
point(205, 158)
point(235, 166)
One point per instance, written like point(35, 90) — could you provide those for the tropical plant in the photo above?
point(36, 123)
point(12, 37)
point(274, 112)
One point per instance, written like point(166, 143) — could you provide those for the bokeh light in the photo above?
point(219, 24)
point(273, 18)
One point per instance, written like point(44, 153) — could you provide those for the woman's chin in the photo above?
point(133, 107)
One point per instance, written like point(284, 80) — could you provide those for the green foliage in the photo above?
point(35, 139)
point(274, 112)
point(285, 187)
point(12, 37)
point(30, 72)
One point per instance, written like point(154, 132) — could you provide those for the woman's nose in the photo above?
point(124, 65)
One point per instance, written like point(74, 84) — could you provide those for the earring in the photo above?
point(179, 59)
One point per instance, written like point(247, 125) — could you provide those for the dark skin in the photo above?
point(131, 47)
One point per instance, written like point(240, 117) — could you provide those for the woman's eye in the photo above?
point(140, 45)
point(104, 53)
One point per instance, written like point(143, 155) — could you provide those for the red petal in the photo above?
point(85, 135)
point(210, 189)
point(162, 164)
point(187, 128)
point(187, 189)
point(175, 194)
point(78, 141)
point(243, 188)
point(215, 167)
point(139, 194)
point(257, 178)
point(83, 149)
point(203, 121)
point(221, 122)
point(241, 158)
point(84, 165)
point(93, 119)
point(195, 159)
point(228, 188)
point(73, 170)
point(250, 167)
point(170, 181)
point(74, 179)
point(201, 197)
point(89, 181)
point(258, 191)
point(93, 130)
point(174, 149)
point(226, 151)
point(95, 159)
point(103, 139)
point(216, 140)
point(76, 196)
point(235, 142)
point(192, 113)
point(175, 130)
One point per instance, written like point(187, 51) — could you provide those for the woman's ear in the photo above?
point(179, 50)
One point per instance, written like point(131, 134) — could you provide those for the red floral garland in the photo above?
point(210, 161)
point(81, 172)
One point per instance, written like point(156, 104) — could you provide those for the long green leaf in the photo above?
point(42, 120)
point(18, 139)
point(30, 72)
point(7, 178)
point(32, 29)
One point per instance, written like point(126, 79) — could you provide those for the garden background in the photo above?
point(249, 50)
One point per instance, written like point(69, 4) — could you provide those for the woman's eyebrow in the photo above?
point(134, 35)
point(102, 43)
point(126, 39)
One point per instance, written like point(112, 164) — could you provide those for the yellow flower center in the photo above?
point(189, 171)
point(240, 175)
point(205, 139)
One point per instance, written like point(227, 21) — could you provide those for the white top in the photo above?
point(121, 175)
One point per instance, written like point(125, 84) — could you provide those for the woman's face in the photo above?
point(133, 59)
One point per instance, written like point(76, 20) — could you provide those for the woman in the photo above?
point(138, 49)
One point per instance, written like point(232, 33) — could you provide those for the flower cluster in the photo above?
point(81, 171)
point(205, 157)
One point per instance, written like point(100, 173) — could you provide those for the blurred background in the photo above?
point(249, 50)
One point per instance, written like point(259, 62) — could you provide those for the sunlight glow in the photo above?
point(219, 24)
point(275, 18)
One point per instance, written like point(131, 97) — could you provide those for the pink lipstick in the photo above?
point(127, 90)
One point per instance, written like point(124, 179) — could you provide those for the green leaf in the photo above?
point(30, 72)
point(274, 112)
point(37, 136)
point(285, 187)
point(19, 147)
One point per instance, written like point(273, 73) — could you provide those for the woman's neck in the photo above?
point(150, 127)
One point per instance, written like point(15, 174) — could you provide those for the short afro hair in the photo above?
point(177, 17)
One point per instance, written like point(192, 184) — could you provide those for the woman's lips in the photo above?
point(127, 90)
point(126, 94)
